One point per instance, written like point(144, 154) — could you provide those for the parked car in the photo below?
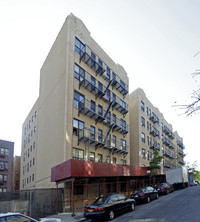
point(165, 188)
point(5, 217)
point(145, 194)
point(106, 207)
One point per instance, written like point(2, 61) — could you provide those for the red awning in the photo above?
point(80, 168)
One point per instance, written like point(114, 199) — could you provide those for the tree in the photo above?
point(192, 171)
point(192, 107)
point(154, 165)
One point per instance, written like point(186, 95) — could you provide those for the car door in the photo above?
point(114, 203)
point(123, 203)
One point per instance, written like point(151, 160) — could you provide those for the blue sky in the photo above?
point(154, 40)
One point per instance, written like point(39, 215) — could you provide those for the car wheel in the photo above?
point(111, 215)
point(148, 199)
point(157, 196)
point(167, 192)
point(132, 206)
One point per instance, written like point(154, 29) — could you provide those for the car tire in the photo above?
point(148, 200)
point(111, 215)
point(132, 206)
point(167, 192)
point(157, 196)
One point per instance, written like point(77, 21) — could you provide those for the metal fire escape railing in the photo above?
point(115, 102)
point(84, 107)
point(100, 68)
point(101, 141)
point(114, 124)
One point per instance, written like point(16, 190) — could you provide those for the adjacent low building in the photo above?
point(6, 166)
point(150, 131)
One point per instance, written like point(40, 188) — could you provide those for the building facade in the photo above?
point(150, 131)
point(82, 109)
point(6, 166)
point(28, 150)
point(16, 173)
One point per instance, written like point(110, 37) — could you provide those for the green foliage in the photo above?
point(154, 164)
point(192, 171)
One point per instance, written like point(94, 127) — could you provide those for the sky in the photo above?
point(154, 40)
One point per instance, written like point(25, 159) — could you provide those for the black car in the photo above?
point(165, 188)
point(107, 207)
point(145, 194)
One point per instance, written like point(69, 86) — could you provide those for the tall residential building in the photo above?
point(6, 166)
point(81, 114)
point(150, 131)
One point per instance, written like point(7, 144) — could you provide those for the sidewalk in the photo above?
point(66, 217)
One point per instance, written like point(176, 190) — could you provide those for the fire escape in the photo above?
point(102, 92)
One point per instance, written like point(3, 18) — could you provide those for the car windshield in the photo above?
point(140, 190)
point(101, 200)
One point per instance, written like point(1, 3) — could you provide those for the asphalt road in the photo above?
point(180, 206)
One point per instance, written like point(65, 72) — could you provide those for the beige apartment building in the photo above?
point(81, 115)
point(150, 131)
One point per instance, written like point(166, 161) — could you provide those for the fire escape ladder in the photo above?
point(108, 133)
point(111, 81)
point(110, 105)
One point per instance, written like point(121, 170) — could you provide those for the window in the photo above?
point(147, 111)
point(78, 127)
point(123, 124)
point(33, 177)
point(114, 160)
point(114, 141)
point(79, 46)
point(142, 121)
point(148, 155)
point(142, 106)
point(78, 189)
point(113, 76)
point(114, 97)
point(92, 105)
point(93, 56)
point(122, 103)
point(123, 144)
point(108, 160)
point(143, 137)
point(79, 73)
point(77, 154)
point(123, 162)
point(100, 110)
point(122, 84)
point(108, 95)
point(100, 62)
point(100, 157)
point(148, 140)
point(92, 156)
point(3, 165)
point(100, 86)
point(108, 73)
point(18, 218)
point(108, 117)
point(34, 129)
point(100, 135)
point(92, 132)
point(79, 100)
point(33, 161)
point(114, 118)
point(143, 154)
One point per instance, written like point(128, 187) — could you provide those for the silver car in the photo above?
point(17, 217)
